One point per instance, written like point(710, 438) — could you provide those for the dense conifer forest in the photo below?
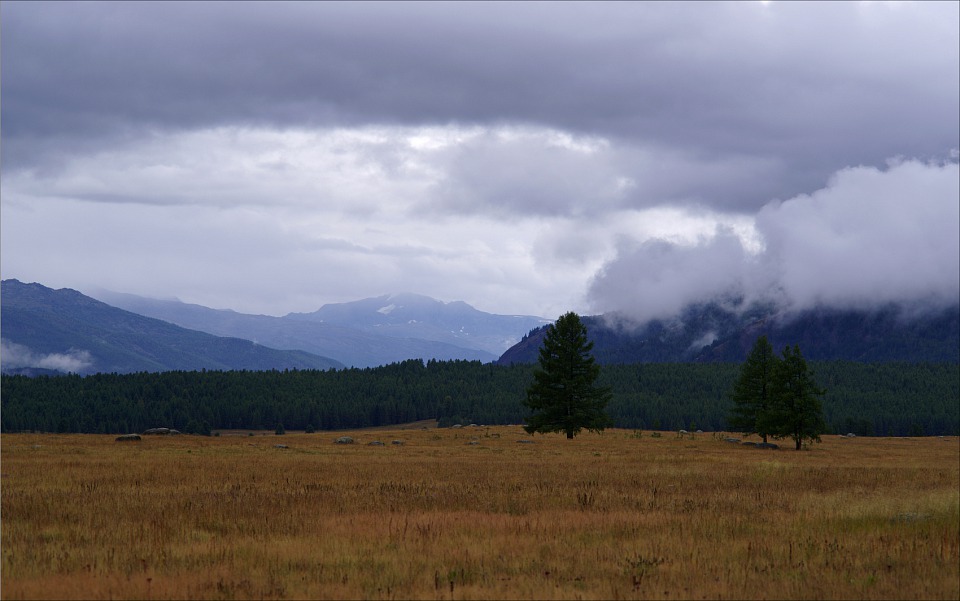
point(882, 399)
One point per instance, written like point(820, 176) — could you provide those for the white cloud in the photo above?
point(655, 279)
point(19, 356)
point(868, 238)
point(510, 219)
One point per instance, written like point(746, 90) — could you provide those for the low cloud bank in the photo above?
point(871, 237)
point(16, 356)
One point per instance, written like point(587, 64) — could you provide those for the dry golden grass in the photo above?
point(601, 517)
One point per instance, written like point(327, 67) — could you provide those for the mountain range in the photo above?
point(58, 331)
point(64, 330)
point(364, 333)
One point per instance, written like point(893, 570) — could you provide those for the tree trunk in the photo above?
point(799, 440)
point(570, 434)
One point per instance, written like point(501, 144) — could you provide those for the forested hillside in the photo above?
point(867, 399)
point(710, 333)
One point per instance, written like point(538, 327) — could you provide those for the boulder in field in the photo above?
point(344, 440)
point(128, 438)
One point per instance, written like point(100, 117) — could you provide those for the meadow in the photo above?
point(472, 513)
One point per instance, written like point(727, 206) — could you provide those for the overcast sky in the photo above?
point(526, 158)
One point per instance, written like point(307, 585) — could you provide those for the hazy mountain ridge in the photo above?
point(417, 316)
point(711, 333)
point(365, 333)
point(45, 330)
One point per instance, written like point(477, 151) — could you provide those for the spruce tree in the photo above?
point(796, 411)
point(564, 396)
point(752, 393)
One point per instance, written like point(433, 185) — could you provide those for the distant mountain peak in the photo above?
point(409, 315)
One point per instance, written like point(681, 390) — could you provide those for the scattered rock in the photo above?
point(375, 443)
point(162, 431)
point(473, 442)
point(455, 426)
point(749, 444)
point(682, 432)
point(733, 440)
point(849, 435)
point(344, 440)
point(909, 517)
point(280, 446)
point(699, 431)
point(128, 437)
point(396, 442)
point(767, 445)
point(525, 441)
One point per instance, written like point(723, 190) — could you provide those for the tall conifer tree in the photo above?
point(752, 393)
point(796, 411)
point(563, 396)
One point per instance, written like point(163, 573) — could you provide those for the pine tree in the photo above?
point(796, 411)
point(563, 396)
point(753, 391)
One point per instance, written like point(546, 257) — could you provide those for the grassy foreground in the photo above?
point(608, 516)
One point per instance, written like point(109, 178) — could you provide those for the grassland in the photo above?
point(609, 516)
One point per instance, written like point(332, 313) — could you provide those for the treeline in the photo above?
point(885, 399)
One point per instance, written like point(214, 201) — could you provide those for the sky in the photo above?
point(527, 158)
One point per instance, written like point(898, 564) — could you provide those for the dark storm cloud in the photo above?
point(527, 157)
point(548, 173)
point(800, 90)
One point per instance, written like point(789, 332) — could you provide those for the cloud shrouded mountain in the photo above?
point(709, 332)
point(870, 238)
